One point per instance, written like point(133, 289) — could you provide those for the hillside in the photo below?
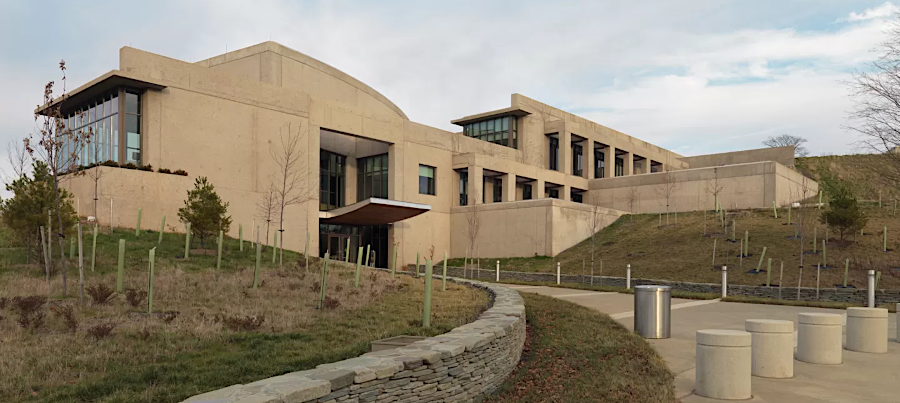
point(857, 171)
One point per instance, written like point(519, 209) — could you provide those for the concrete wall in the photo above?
point(464, 365)
point(753, 185)
point(781, 155)
point(524, 228)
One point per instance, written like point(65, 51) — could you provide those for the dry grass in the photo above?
point(681, 252)
point(167, 357)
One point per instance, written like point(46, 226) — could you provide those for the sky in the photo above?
point(696, 77)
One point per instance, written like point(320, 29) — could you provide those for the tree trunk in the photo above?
point(60, 236)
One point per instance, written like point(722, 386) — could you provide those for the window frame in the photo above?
point(554, 154)
point(430, 183)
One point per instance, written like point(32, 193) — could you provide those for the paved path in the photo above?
point(861, 378)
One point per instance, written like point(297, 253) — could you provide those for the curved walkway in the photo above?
point(861, 378)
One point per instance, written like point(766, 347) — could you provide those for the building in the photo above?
point(530, 175)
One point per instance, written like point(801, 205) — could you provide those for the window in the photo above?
point(132, 128)
point(554, 153)
point(97, 122)
point(553, 193)
point(599, 163)
point(502, 131)
point(372, 177)
point(331, 180)
point(577, 160)
point(426, 180)
point(526, 192)
point(620, 166)
point(463, 188)
point(498, 190)
point(577, 196)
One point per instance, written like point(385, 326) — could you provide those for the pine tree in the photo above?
point(844, 213)
point(205, 211)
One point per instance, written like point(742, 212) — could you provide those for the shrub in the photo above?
point(844, 213)
point(67, 314)
point(129, 165)
point(100, 293)
point(31, 314)
point(205, 210)
point(110, 163)
point(180, 172)
point(100, 331)
point(331, 303)
point(148, 168)
point(238, 323)
point(135, 297)
point(164, 171)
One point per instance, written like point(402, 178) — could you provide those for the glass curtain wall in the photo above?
point(502, 131)
point(372, 177)
point(96, 125)
point(332, 176)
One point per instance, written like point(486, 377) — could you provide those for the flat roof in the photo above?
point(511, 111)
point(373, 211)
point(98, 87)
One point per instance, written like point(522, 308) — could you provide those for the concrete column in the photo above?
point(476, 185)
point(395, 171)
point(565, 152)
point(867, 330)
point(537, 189)
point(629, 164)
point(609, 161)
point(772, 347)
point(723, 364)
point(589, 159)
point(350, 174)
point(509, 187)
point(819, 338)
point(565, 192)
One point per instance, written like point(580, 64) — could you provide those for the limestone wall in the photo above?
point(781, 155)
point(463, 365)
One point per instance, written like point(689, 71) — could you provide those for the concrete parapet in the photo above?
point(772, 347)
point(819, 338)
point(867, 330)
point(723, 364)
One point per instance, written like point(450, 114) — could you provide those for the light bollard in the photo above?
point(870, 291)
point(627, 276)
point(120, 276)
point(498, 272)
point(426, 309)
point(724, 281)
point(557, 273)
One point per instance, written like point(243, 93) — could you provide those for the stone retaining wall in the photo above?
point(463, 365)
point(852, 295)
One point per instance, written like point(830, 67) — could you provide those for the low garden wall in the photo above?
point(462, 365)
point(852, 295)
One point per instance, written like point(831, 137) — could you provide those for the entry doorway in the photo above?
point(334, 239)
point(338, 247)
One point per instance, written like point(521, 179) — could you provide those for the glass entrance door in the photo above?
point(337, 246)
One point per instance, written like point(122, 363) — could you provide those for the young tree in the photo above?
point(785, 140)
point(473, 222)
point(844, 213)
point(18, 160)
point(715, 187)
point(595, 224)
point(633, 198)
point(666, 189)
point(95, 172)
point(803, 193)
point(205, 211)
point(47, 145)
point(290, 182)
point(266, 208)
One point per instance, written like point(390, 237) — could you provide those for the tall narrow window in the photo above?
point(620, 166)
point(526, 191)
point(463, 188)
point(132, 128)
point(599, 163)
point(498, 190)
point(577, 160)
point(331, 180)
point(577, 196)
point(372, 177)
point(553, 193)
point(426, 180)
point(554, 153)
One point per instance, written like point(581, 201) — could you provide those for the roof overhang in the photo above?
point(511, 111)
point(373, 211)
point(98, 87)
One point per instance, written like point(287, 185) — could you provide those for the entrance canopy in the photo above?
point(372, 211)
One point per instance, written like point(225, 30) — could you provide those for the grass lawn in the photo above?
point(683, 253)
point(211, 328)
point(575, 354)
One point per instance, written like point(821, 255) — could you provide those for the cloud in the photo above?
point(885, 10)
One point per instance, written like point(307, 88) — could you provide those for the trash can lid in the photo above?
point(652, 288)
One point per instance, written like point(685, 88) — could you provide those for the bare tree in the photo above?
point(54, 143)
point(473, 221)
point(633, 198)
point(595, 225)
point(804, 217)
point(715, 187)
point(95, 173)
point(266, 208)
point(290, 183)
point(19, 161)
point(666, 189)
point(787, 140)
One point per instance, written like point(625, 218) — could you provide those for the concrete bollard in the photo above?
point(819, 338)
point(724, 281)
point(870, 290)
point(772, 347)
point(723, 364)
point(628, 276)
point(867, 330)
point(557, 273)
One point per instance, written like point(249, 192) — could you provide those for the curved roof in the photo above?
point(305, 60)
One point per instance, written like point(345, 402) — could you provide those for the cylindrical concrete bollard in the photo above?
point(867, 330)
point(723, 364)
point(773, 347)
point(819, 338)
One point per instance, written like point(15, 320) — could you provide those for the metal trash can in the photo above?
point(652, 309)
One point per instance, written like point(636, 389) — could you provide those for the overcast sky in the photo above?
point(696, 77)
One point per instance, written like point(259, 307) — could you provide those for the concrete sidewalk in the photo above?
point(861, 378)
